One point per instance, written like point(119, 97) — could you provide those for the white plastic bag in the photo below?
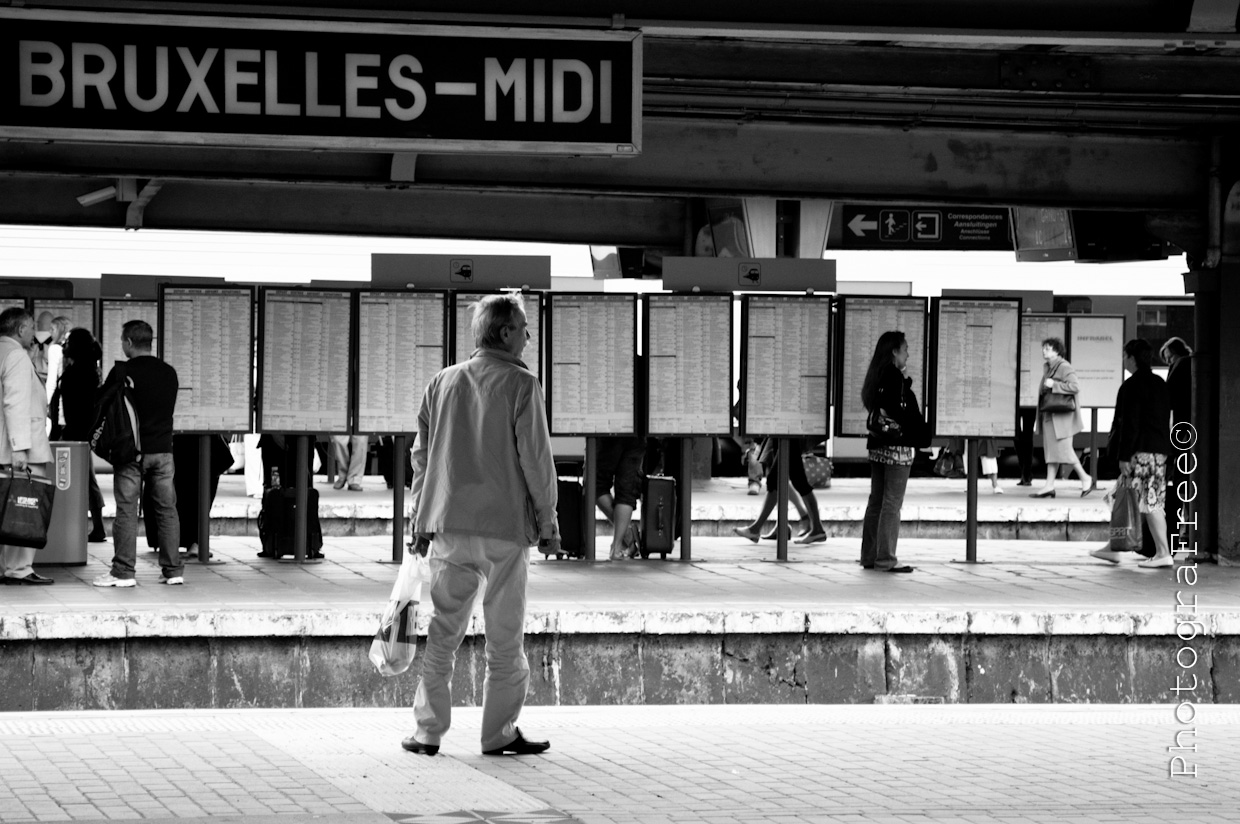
point(395, 644)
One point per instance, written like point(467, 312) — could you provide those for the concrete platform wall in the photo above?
point(623, 668)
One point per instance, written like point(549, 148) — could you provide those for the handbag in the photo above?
point(884, 429)
point(25, 509)
point(1054, 402)
point(817, 470)
point(396, 642)
point(1125, 517)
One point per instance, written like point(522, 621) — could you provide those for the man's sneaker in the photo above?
point(355, 487)
point(755, 487)
point(174, 581)
point(110, 580)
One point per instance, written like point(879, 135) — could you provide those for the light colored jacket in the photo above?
point(482, 462)
point(24, 422)
point(1063, 424)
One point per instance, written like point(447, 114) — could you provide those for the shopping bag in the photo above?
point(396, 642)
point(1125, 517)
point(25, 509)
point(817, 470)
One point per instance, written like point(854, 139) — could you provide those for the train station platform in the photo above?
point(933, 508)
point(1040, 622)
point(758, 764)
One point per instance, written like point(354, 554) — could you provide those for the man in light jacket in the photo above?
point(23, 426)
point(484, 489)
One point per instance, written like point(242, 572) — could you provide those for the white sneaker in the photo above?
point(111, 581)
point(1105, 554)
point(996, 490)
point(174, 581)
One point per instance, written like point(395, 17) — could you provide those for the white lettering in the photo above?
point(99, 80)
point(1179, 604)
point(235, 78)
point(1181, 491)
point(512, 80)
point(1179, 746)
point(1179, 767)
point(150, 104)
point(396, 74)
point(313, 107)
point(271, 70)
point(197, 88)
point(1192, 712)
point(540, 90)
point(355, 81)
point(1195, 628)
point(51, 68)
point(1179, 655)
point(1181, 463)
point(604, 91)
point(559, 69)
point(1186, 574)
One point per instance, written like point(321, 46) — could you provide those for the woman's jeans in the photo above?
point(881, 528)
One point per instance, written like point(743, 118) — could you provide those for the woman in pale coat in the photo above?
point(1058, 428)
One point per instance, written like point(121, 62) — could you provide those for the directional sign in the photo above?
point(951, 228)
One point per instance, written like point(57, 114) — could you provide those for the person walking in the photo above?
point(23, 427)
point(78, 391)
point(618, 468)
point(484, 491)
point(802, 496)
point(1141, 438)
point(896, 429)
point(1058, 427)
point(155, 397)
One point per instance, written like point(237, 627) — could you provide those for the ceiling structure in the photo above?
point(1087, 104)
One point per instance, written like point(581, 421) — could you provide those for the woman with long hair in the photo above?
point(896, 429)
point(78, 388)
point(1059, 427)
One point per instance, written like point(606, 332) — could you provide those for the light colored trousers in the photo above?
point(17, 560)
point(461, 566)
point(351, 456)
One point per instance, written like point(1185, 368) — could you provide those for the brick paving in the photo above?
point(615, 765)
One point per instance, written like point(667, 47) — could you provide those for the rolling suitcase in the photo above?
point(569, 511)
point(658, 516)
point(276, 523)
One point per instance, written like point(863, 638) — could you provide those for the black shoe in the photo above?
point(521, 747)
point(901, 569)
point(1045, 493)
point(97, 536)
point(34, 579)
point(414, 745)
point(1025, 482)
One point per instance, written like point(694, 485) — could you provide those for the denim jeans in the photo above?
point(881, 528)
point(156, 471)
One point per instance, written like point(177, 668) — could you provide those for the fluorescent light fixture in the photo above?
point(97, 196)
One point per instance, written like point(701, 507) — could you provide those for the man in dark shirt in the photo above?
point(155, 397)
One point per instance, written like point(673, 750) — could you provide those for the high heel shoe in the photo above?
point(1093, 484)
point(1045, 493)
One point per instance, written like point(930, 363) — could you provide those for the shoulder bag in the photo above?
point(1056, 402)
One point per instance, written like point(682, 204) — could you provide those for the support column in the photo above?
point(1225, 374)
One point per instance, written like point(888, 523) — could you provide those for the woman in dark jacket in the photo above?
point(896, 430)
point(78, 388)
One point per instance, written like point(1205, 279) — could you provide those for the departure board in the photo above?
point(1096, 352)
point(976, 368)
point(592, 357)
point(207, 335)
point(1034, 329)
point(463, 347)
point(79, 311)
point(304, 363)
point(402, 343)
point(113, 315)
point(862, 321)
point(784, 365)
point(689, 354)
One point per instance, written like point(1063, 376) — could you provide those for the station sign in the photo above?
point(463, 272)
point(729, 274)
point(946, 228)
point(263, 83)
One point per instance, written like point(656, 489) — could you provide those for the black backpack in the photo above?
point(115, 435)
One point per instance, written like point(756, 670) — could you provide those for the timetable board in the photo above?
point(592, 355)
point(304, 361)
point(1035, 328)
point(784, 365)
point(1096, 352)
point(207, 335)
point(401, 344)
point(79, 311)
point(862, 321)
point(113, 315)
point(977, 348)
point(688, 347)
point(463, 333)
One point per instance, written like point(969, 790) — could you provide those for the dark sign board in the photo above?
point(311, 84)
point(948, 228)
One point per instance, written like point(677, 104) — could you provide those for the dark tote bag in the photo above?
point(25, 509)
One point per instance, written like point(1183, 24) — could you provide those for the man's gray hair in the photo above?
point(11, 320)
point(491, 315)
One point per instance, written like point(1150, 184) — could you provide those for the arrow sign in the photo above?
point(860, 225)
